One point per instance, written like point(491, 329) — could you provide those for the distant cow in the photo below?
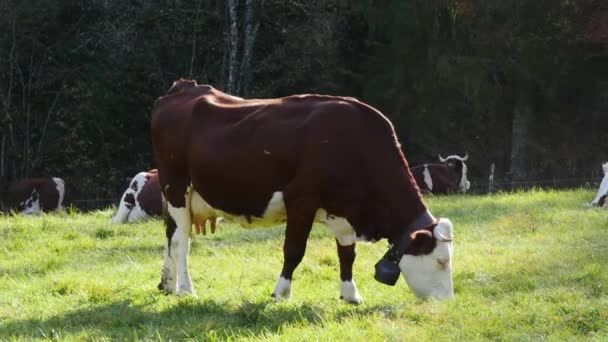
point(602, 193)
point(30, 196)
point(141, 200)
point(295, 160)
point(441, 178)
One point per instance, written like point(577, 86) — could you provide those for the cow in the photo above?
point(296, 160)
point(31, 196)
point(141, 200)
point(442, 178)
point(602, 193)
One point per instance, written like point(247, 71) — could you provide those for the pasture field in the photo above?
point(527, 266)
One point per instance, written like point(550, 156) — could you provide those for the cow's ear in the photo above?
point(444, 231)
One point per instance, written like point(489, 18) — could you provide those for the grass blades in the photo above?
point(528, 266)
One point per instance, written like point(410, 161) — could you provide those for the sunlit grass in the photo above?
point(528, 266)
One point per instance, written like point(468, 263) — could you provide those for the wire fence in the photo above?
point(479, 186)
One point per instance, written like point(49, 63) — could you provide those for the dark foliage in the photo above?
point(523, 84)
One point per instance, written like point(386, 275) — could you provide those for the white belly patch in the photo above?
point(275, 214)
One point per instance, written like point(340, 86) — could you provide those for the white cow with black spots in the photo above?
point(602, 193)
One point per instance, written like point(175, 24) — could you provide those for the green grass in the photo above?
point(527, 266)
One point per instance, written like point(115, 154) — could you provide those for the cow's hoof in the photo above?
point(162, 288)
point(186, 291)
point(167, 286)
point(349, 292)
point(283, 290)
point(355, 301)
point(280, 298)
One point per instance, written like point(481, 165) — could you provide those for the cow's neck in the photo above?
point(400, 241)
point(422, 221)
point(411, 214)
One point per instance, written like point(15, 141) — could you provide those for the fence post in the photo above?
point(491, 186)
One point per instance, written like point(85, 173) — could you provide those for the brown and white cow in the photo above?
point(297, 159)
point(31, 196)
point(602, 192)
point(141, 200)
point(442, 178)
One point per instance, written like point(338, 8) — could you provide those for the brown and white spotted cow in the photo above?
point(442, 178)
point(31, 196)
point(297, 159)
point(141, 200)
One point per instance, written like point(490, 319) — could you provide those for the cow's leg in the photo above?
point(175, 277)
point(300, 216)
point(180, 246)
point(348, 288)
point(168, 280)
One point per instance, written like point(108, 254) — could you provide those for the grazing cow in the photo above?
point(602, 193)
point(30, 196)
point(141, 200)
point(297, 159)
point(448, 176)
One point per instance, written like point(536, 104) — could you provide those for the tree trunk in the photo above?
point(2, 161)
point(194, 37)
point(520, 134)
point(233, 45)
point(252, 24)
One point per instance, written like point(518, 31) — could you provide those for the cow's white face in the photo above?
point(602, 193)
point(451, 162)
point(31, 206)
point(430, 275)
point(464, 185)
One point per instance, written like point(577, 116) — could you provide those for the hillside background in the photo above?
point(519, 83)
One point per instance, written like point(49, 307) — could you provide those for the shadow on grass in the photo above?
point(190, 318)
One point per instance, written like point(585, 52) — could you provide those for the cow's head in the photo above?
point(427, 262)
point(605, 167)
point(424, 257)
point(456, 163)
point(30, 205)
point(181, 84)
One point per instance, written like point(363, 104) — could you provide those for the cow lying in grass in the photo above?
point(141, 200)
point(295, 160)
point(31, 196)
point(602, 193)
